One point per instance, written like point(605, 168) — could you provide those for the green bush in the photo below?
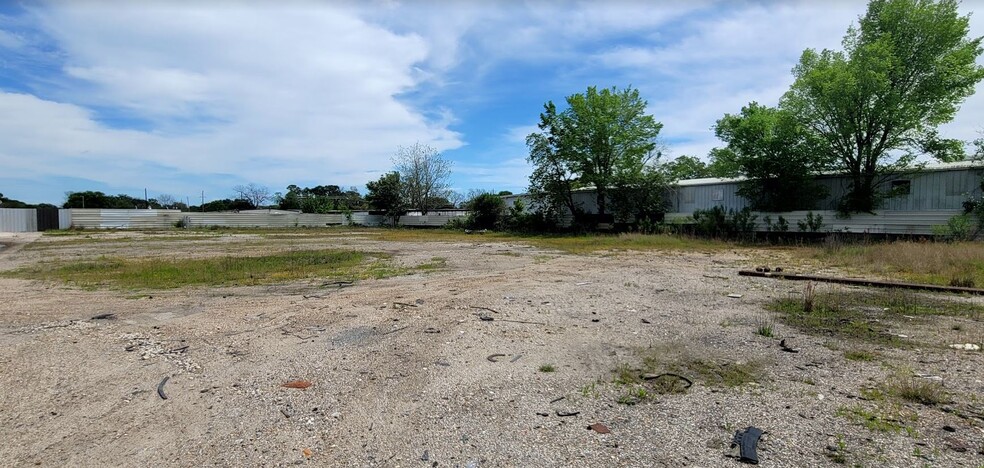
point(718, 223)
point(957, 228)
point(812, 223)
point(487, 211)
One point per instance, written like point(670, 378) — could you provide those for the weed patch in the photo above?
point(867, 316)
point(160, 273)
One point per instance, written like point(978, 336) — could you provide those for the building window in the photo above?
point(688, 195)
point(901, 187)
point(717, 194)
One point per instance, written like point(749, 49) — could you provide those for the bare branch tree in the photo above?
point(253, 193)
point(424, 173)
point(165, 200)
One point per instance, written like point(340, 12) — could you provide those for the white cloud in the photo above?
point(270, 94)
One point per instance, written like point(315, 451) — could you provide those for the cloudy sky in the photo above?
point(181, 97)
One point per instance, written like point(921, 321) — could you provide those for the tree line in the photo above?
point(866, 111)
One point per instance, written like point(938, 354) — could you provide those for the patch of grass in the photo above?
point(634, 395)
point(547, 368)
point(765, 330)
point(167, 273)
point(572, 244)
point(839, 455)
point(859, 355)
point(868, 316)
point(875, 420)
point(436, 263)
point(678, 359)
point(916, 390)
point(922, 262)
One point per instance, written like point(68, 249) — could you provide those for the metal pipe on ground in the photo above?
point(863, 282)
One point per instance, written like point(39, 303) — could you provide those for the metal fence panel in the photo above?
point(18, 220)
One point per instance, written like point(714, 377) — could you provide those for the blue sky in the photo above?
point(185, 97)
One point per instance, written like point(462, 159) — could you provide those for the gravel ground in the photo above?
point(405, 372)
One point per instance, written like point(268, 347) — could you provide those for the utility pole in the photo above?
point(203, 201)
point(146, 200)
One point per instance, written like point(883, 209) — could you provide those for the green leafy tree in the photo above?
point(724, 164)
point(685, 167)
point(904, 70)
point(603, 139)
point(386, 194)
point(640, 198)
point(776, 154)
point(11, 203)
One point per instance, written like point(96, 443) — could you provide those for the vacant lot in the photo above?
point(434, 349)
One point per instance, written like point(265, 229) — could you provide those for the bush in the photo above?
point(957, 228)
point(487, 211)
point(812, 223)
point(781, 225)
point(718, 223)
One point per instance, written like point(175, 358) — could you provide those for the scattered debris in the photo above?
point(285, 413)
point(485, 317)
point(403, 305)
point(747, 440)
point(160, 388)
point(646, 321)
point(301, 384)
point(178, 350)
point(395, 330)
point(787, 348)
point(542, 414)
point(689, 383)
point(763, 269)
point(520, 321)
point(106, 316)
point(583, 283)
point(338, 284)
point(934, 378)
point(564, 414)
point(516, 358)
point(307, 453)
point(735, 296)
point(966, 346)
point(431, 330)
point(599, 428)
point(484, 308)
point(495, 357)
point(863, 282)
point(949, 429)
point(555, 400)
point(425, 456)
point(716, 277)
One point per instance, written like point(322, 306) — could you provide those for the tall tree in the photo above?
point(904, 70)
point(253, 193)
point(603, 139)
point(386, 194)
point(777, 155)
point(425, 175)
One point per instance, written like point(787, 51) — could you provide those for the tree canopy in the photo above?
point(904, 70)
point(386, 194)
point(603, 139)
point(424, 174)
point(777, 155)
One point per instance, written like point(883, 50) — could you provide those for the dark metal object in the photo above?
point(864, 282)
point(747, 440)
point(495, 357)
point(160, 388)
point(687, 381)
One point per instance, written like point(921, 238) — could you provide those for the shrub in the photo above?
point(957, 228)
point(487, 211)
point(812, 223)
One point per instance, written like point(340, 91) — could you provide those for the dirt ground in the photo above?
point(405, 372)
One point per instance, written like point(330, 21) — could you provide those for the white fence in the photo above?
point(161, 219)
point(918, 223)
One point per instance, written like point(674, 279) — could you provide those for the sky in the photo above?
point(185, 98)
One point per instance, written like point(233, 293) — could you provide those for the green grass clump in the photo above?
point(875, 420)
point(867, 316)
point(572, 244)
point(168, 273)
point(859, 355)
point(548, 368)
point(916, 390)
